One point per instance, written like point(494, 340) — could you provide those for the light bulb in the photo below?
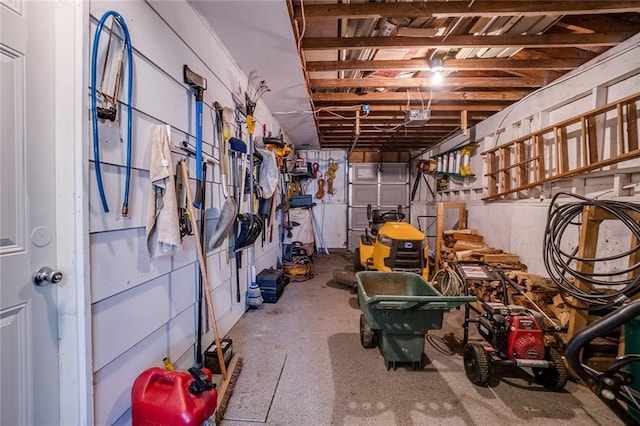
point(436, 77)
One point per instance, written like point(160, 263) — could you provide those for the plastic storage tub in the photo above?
point(398, 308)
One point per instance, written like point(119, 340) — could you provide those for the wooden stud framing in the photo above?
point(441, 207)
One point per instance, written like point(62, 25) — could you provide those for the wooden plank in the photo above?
point(491, 175)
point(503, 95)
point(392, 82)
point(556, 154)
point(587, 248)
point(504, 177)
point(632, 126)
point(541, 41)
point(563, 149)
point(449, 65)
point(439, 239)
point(584, 137)
point(501, 258)
point(467, 237)
point(620, 128)
point(462, 9)
point(521, 173)
point(592, 140)
point(538, 143)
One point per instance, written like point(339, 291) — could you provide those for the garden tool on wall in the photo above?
point(110, 112)
point(198, 84)
point(229, 208)
point(183, 211)
point(223, 142)
point(255, 89)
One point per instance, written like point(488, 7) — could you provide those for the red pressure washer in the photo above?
point(514, 335)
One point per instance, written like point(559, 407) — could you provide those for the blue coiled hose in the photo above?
point(94, 114)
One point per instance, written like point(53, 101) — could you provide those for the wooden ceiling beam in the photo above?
point(464, 9)
point(449, 65)
point(490, 107)
point(396, 83)
point(465, 41)
point(397, 135)
point(389, 118)
point(503, 95)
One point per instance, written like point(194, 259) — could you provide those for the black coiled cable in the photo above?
point(561, 264)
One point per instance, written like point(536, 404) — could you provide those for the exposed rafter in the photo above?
point(462, 41)
point(465, 9)
point(381, 82)
point(503, 95)
point(449, 65)
point(379, 57)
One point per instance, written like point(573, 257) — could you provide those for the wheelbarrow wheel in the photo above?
point(357, 266)
point(554, 377)
point(476, 363)
point(367, 335)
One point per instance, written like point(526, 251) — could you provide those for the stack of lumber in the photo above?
point(468, 244)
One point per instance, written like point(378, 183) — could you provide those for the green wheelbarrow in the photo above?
point(398, 308)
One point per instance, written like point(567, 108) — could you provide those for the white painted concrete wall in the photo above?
point(143, 311)
point(330, 213)
point(518, 226)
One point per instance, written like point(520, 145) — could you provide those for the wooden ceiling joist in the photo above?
point(463, 41)
point(449, 65)
point(464, 9)
point(504, 95)
point(382, 82)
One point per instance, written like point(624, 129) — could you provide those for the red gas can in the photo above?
point(173, 398)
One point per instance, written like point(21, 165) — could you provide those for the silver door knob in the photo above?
point(45, 276)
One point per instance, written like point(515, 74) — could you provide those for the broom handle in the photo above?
point(203, 269)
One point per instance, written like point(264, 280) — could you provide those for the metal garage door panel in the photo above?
point(361, 195)
point(359, 218)
point(392, 195)
point(364, 173)
point(393, 173)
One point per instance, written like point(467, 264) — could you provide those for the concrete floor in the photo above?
point(304, 365)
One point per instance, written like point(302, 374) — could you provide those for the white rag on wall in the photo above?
point(163, 227)
point(269, 173)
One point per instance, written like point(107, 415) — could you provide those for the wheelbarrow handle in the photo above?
point(414, 302)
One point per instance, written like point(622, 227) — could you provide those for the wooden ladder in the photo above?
point(546, 155)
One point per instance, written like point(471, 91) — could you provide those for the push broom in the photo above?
point(230, 375)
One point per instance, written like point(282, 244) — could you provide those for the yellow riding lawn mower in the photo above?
point(391, 245)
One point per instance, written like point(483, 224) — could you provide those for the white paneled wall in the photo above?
point(142, 310)
point(330, 213)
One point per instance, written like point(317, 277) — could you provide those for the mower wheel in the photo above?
point(555, 377)
point(476, 363)
point(357, 266)
point(367, 336)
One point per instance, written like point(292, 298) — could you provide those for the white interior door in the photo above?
point(29, 364)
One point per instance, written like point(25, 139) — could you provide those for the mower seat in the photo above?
point(376, 222)
point(377, 219)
